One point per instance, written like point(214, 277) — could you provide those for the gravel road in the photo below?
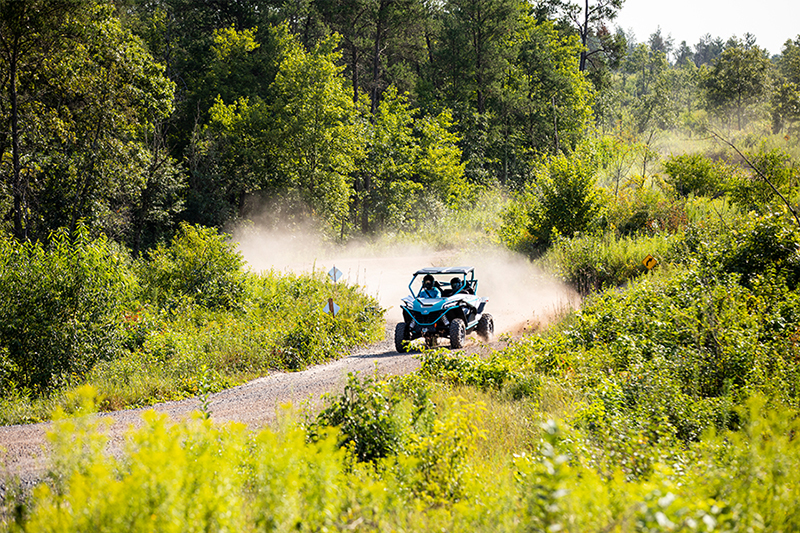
point(257, 403)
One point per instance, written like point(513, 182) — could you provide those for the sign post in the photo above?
point(331, 308)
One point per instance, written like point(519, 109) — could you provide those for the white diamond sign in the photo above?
point(335, 274)
point(331, 308)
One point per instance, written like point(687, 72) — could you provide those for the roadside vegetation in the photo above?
point(186, 319)
point(136, 133)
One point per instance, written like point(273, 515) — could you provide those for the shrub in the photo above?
point(563, 200)
point(593, 262)
point(198, 265)
point(752, 193)
point(364, 414)
point(696, 174)
point(61, 308)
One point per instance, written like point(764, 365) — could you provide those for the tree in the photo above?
point(475, 49)
point(316, 139)
point(683, 54)
point(660, 44)
point(302, 144)
point(738, 79)
point(77, 149)
point(409, 162)
point(785, 101)
point(590, 19)
point(707, 50)
point(553, 99)
point(382, 42)
point(29, 31)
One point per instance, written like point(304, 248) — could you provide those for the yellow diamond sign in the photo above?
point(649, 262)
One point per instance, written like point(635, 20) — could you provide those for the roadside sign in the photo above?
point(335, 274)
point(331, 308)
point(649, 262)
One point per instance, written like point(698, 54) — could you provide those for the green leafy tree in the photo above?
point(707, 50)
point(563, 202)
point(785, 102)
point(385, 190)
point(229, 158)
point(408, 161)
point(317, 141)
point(785, 99)
point(589, 20)
point(737, 80)
point(546, 101)
point(474, 48)
point(181, 35)
point(79, 151)
point(303, 144)
point(29, 32)
point(382, 41)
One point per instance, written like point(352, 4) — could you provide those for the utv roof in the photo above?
point(444, 270)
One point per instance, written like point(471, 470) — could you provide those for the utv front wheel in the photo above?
point(401, 337)
point(485, 328)
point(458, 333)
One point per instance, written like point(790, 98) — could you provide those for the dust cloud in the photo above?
point(520, 296)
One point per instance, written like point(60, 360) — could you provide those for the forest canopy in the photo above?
point(135, 116)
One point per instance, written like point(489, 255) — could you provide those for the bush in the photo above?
point(594, 262)
point(564, 200)
point(696, 174)
point(364, 414)
point(198, 265)
point(61, 309)
point(752, 193)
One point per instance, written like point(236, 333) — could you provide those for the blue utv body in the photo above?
point(455, 314)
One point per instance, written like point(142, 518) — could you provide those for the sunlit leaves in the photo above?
point(316, 137)
point(737, 80)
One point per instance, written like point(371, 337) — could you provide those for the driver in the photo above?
point(428, 289)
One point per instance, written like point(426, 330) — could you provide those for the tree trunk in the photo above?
point(376, 56)
point(354, 56)
point(18, 187)
point(584, 36)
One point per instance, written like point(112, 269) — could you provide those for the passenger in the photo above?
point(455, 284)
point(429, 290)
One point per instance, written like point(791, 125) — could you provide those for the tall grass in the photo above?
point(592, 263)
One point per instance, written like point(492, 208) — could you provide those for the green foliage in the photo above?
point(497, 373)
point(564, 201)
point(785, 100)
point(69, 317)
point(409, 164)
point(752, 193)
point(737, 80)
point(696, 174)
point(61, 309)
point(364, 415)
point(198, 265)
point(758, 245)
point(591, 263)
point(88, 94)
point(196, 476)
